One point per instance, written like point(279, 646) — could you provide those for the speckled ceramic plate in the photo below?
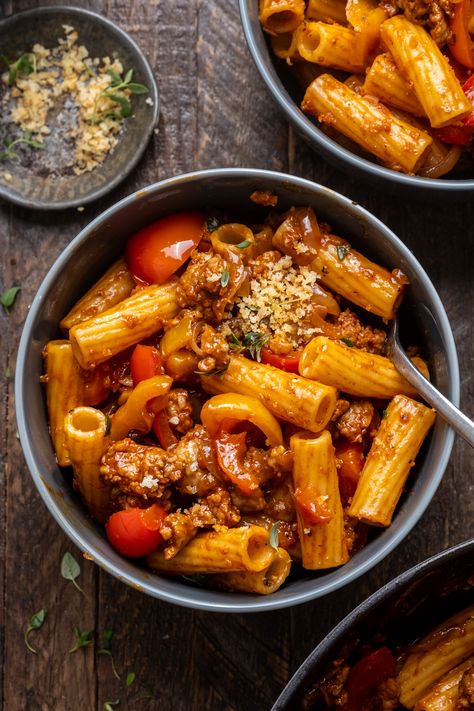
point(44, 179)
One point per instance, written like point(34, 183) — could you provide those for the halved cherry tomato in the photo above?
point(136, 532)
point(161, 428)
point(284, 362)
point(154, 253)
point(366, 675)
point(457, 135)
point(312, 508)
point(462, 47)
point(145, 363)
point(351, 459)
point(230, 450)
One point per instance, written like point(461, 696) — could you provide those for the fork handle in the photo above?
point(444, 407)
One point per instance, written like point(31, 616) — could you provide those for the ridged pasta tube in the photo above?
point(226, 550)
point(354, 371)
point(85, 431)
point(290, 397)
point(124, 325)
point(315, 480)
point(264, 582)
point(368, 122)
point(422, 63)
point(327, 11)
point(385, 81)
point(330, 45)
point(392, 454)
point(443, 696)
point(277, 16)
point(114, 286)
point(434, 655)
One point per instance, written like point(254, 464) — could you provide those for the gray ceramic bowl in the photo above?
point(402, 610)
point(99, 244)
point(45, 183)
point(287, 95)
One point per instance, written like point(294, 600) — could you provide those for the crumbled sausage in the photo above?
point(180, 410)
point(347, 326)
point(432, 14)
point(355, 422)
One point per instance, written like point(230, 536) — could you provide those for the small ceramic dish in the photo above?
point(44, 179)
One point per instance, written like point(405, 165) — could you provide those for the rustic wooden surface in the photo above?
point(215, 112)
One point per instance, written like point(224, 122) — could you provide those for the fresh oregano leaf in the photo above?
point(348, 342)
point(243, 244)
point(131, 676)
point(70, 570)
point(83, 639)
point(108, 705)
point(35, 623)
point(106, 642)
point(342, 252)
point(137, 88)
point(273, 536)
point(7, 299)
point(225, 278)
point(212, 224)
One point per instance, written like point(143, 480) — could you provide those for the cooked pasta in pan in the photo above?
point(400, 83)
point(224, 399)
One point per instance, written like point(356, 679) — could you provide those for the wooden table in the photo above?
point(215, 112)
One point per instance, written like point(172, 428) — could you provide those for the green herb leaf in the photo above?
point(108, 425)
point(131, 676)
point(83, 639)
point(108, 705)
point(273, 536)
point(7, 372)
point(254, 341)
point(124, 103)
point(35, 623)
point(342, 252)
point(137, 88)
point(115, 76)
point(23, 65)
point(384, 414)
point(128, 77)
point(243, 244)
point(212, 223)
point(225, 278)
point(7, 299)
point(235, 344)
point(70, 570)
point(348, 342)
point(106, 641)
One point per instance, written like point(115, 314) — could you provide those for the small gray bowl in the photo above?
point(285, 93)
point(44, 183)
point(402, 611)
point(101, 242)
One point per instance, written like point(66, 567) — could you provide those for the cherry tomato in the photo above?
point(161, 428)
point(462, 47)
point(145, 363)
point(284, 362)
point(154, 253)
point(351, 458)
point(366, 675)
point(136, 532)
point(312, 508)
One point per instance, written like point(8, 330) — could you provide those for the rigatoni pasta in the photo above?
point(211, 415)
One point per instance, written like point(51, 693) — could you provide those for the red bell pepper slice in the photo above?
point(161, 428)
point(366, 675)
point(230, 450)
point(312, 508)
point(351, 462)
point(462, 47)
point(289, 362)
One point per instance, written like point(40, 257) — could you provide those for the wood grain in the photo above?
point(215, 111)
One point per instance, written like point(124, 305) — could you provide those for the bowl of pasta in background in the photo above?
point(88, 256)
point(406, 609)
point(287, 83)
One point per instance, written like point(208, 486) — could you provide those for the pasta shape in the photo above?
point(137, 412)
point(278, 16)
point(264, 582)
point(330, 45)
point(393, 452)
point(384, 81)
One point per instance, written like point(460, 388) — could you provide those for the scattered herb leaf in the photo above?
point(342, 252)
point(23, 65)
point(25, 140)
point(108, 425)
point(70, 570)
point(115, 92)
point(106, 640)
point(7, 372)
point(242, 245)
point(216, 371)
point(384, 414)
point(108, 705)
point(83, 639)
point(131, 676)
point(273, 536)
point(235, 344)
point(225, 277)
point(7, 299)
point(35, 623)
point(348, 342)
point(212, 223)
point(254, 341)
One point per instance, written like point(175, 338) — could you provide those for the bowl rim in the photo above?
point(185, 597)
point(314, 135)
point(154, 94)
point(378, 597)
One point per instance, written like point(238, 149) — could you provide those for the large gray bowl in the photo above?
point(99, 244)
point(402, 610)
point(284, 91)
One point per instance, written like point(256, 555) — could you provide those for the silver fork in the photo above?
point(449, 412)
